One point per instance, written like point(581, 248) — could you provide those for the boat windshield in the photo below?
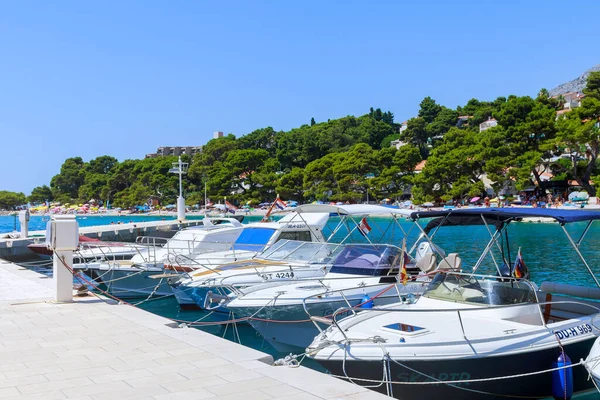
point(306, 252)
point(364, 259)
point(475, 289)
point(253, 239)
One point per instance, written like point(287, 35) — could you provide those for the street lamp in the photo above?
point(180, 168)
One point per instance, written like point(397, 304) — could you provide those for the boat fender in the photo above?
point(562, 379)
point(366, 302)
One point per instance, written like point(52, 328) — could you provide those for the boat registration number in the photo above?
point(278, 275)
point(574, 331)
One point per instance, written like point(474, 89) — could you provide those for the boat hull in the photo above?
point(289, 328)
point(126, 284)
point(533, 386)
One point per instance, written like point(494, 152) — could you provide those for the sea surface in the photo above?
point(544, 248)
point(10, 223)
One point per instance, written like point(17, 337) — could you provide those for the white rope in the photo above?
point(455, 382)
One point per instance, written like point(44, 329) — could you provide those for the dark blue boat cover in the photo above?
point(504, 214)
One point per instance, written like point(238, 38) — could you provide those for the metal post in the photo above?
point(580, 255)
point(62, 236)
point(24, 221)
point(180, 168)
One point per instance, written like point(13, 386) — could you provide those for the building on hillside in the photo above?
point(398, 143)
point(490, 123)
point(403, 126)
point(175, 151)
point(419, 167)
point(463, 120)
point(571, 99)
point(217, 135)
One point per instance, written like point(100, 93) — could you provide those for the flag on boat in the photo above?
point(280, 203)
point(520, 269)
point(230, 207)
point(363, 227)
point(404, 261)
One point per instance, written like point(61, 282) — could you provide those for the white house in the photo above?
point(490, 123)
point(398, 143)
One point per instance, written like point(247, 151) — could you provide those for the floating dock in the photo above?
point(94, 349)
point(17, 247)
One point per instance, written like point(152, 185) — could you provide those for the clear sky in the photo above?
point(82, 78)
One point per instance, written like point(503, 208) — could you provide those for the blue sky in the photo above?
point(124, 77)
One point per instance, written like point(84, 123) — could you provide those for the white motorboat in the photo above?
point(210, 235)
point(288, 262)
point(592, 363)
point(470, 336)
point(150, 254)
point(467, 330)
point(131, 280)
point(360, 275)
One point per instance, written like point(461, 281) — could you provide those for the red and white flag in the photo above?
point(280, 203)
point(363, 227)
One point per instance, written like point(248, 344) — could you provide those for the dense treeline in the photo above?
point(346, 158)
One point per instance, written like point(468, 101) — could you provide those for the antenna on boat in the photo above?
point(180, 168)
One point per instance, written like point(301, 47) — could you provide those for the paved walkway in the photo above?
point(93, 350)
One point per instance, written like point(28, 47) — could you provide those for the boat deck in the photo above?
point(92, 349)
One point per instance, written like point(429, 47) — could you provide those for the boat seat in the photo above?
point(426, 263)
point(452, 262)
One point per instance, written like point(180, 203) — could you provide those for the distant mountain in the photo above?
point(576, 85)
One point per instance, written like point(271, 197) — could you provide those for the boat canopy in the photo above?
point(352, 209)
point(508, 214)
point(371, 260)
point(314, 220)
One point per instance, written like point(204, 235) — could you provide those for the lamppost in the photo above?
point(180, 168)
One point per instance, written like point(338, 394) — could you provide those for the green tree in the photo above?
point(396, 176)
point(529, 127)
point(416, 134)
point(429, 109)
point(289, 186)
point(442, 123)
point(312, 122)
point(319, 179)
point(40, 194)
point(453, 169)
point(70, 178)
point(592, 88)
point(579, 132)
point(101, 165)
point(10, 200)
point(265, 139)
point(352, 172)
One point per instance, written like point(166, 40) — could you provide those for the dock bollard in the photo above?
point(62, 236)
point(24, 222)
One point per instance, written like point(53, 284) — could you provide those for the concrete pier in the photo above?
point(92, 349)
point(17, 247)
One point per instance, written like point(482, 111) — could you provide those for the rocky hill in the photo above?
point(576, 85)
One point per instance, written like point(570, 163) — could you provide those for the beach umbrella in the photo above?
point(474, 199)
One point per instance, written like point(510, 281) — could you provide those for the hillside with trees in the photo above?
point(343, 159)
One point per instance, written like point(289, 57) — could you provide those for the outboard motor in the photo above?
point(426, 247)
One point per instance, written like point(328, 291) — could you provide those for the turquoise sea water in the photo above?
point(9, 223)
